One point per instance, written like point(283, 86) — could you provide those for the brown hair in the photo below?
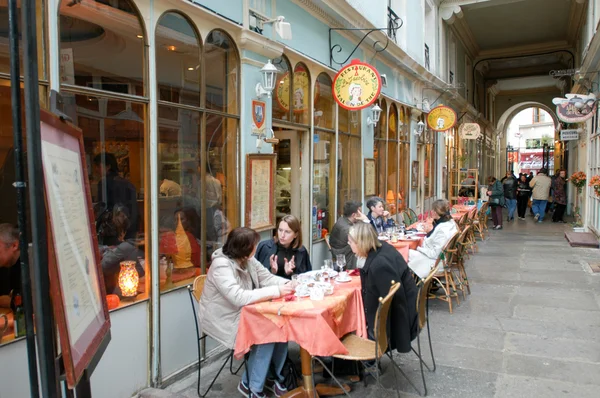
point(240, 243)
point(441, 207)
point(294, 225)
point(364, 236)
point(491, 179)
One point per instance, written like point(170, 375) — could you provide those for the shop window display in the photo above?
point(349, 155)
point(282, 97)
point(380, 150)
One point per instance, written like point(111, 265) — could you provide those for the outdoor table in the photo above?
point(316, 326)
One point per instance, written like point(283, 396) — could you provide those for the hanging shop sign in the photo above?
point(300, 91)
point(575, 108)
point(441, 118)
point(356, 86)
point(569, 135)
point(469, 131)
point(259, 113)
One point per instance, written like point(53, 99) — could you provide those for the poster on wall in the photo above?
point(76, 279)
point(260, 189)
point(356, 86)
point(370, 188)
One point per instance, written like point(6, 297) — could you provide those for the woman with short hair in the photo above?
point(422, 260)
point(236, 279)
point(383, 264)
point(284, 255)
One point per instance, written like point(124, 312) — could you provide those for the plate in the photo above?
point(297, 294)
point(343, 280)
point(383, 238)
point(313, 274)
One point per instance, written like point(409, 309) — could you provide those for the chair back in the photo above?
point(197, 287)
point(461, 243)
point(422, 298)
point(381, 317)
point(464, 219)
point(483, 212)
point(447, 252)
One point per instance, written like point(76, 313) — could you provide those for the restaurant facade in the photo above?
point(165, 92)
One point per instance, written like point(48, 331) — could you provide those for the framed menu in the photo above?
point(260, 189)
point(370, 188)
point(76, 280)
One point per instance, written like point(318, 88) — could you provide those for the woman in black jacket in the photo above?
point(496, 199)
point(284, 255)
point(523, 194)
point(382, 266)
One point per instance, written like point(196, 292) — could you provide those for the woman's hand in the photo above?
point(290, 266)
point(286, 289)
point(273, 262)
point(386, 213)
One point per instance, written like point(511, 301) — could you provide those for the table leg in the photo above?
point(306, 389)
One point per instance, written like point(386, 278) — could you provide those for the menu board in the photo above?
point(76, 278)
point(260, 187)
point(370, 188)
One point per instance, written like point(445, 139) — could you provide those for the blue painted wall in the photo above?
point(231, 9)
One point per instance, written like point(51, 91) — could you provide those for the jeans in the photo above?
point(539, 207)
point(261, 357)
point(512, 206)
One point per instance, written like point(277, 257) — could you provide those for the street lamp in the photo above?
point(376, 114)
point(269, 73)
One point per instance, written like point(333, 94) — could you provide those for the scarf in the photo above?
point(446, 217)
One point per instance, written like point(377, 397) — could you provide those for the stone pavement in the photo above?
point(530, 328)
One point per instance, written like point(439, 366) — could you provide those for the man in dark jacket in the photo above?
point(509, 183)
point(383, 266)
point(338, 240)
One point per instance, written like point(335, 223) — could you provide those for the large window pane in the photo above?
point(282, 93)
point(323, 182)
point(102, 43)
point(349, 170)
point(222, 73)
point(114, 144)
point(177, 60)
point(324, 103)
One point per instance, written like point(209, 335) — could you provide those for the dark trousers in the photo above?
point(496, 215)
point(559, 211)
point(522, 202)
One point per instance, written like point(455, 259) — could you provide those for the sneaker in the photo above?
point(540, 221)
point(498, 227)
point(275, 387)
point(536, 217)
point(246, 391)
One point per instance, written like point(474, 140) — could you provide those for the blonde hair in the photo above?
point(365, 238)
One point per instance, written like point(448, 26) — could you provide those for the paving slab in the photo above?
point(528, 387)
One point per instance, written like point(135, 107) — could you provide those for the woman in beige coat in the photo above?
point(236, 279)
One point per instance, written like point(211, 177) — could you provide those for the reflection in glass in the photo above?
point(282, 93)
point(301, 94)
point(102, 45)
point(222, 74)
point(323, 183)
point(324, 103)
point(177, 60)
point(349, 170)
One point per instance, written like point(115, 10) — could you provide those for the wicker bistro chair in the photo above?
point(444, 277)
point(463, 221)
point(481, 222)
point(470, 237)
point(360, 349)
point(195, 293)
point(457, 262)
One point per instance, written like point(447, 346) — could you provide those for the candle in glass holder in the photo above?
point(128, 279)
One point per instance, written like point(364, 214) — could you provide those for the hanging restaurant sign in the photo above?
point(356, 86)
point(575, 108)
point(441, 118)
point(469, 131)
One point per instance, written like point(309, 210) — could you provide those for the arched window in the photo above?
point(404, 134)
point(392, 161)
point(324, 103)
point(301, 94)
point(222, 64)
point(178, 63)
point(380, 148)
point(282, 93)
point(105, 46)
point(102, 47)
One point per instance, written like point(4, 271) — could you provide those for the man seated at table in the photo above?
point(338, 240)
point(423, 259)
point(236, 279)
point(382, 266)
point(10, 269)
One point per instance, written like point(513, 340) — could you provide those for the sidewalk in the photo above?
point(531, 327)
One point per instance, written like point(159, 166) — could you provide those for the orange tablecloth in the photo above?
point(315, 325)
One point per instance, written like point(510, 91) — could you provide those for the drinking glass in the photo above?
point(294, 280)
point(341, 262)
point(327, 265)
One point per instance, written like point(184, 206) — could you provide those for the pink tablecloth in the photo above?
point(315, 325)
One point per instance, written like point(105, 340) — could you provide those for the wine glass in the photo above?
point(341, 262)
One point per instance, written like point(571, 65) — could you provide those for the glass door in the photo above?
point(288, 181)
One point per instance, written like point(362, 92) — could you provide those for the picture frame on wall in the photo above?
point(370, 186)
point(260, 191)
point(414, 173)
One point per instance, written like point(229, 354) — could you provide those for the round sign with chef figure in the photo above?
point(356, 86)
point(441, 118)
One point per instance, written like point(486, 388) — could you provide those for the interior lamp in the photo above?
point(128, 279)
point(376, 114)
point(390, 196)
point(268, 74)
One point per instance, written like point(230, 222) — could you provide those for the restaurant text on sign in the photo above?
point(469, 131)
point(356, 86)
point(441, 118)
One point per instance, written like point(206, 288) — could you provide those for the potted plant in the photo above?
point(578, 179)
point(595, 184)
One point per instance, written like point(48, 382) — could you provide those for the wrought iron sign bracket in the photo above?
point(337, 48)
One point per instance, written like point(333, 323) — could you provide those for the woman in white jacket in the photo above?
point(236, 279)
point(423, 259)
